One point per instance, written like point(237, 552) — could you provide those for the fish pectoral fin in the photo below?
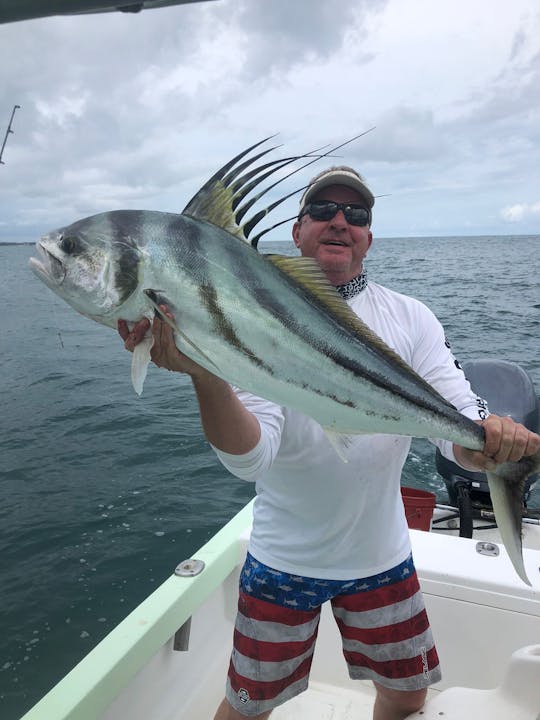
point(341, 443)
point(140, 361)
point(155, 300)
point(507, 499)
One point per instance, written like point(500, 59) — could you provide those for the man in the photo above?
point(324, 529)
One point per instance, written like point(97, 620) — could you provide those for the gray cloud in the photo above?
point(283, 33)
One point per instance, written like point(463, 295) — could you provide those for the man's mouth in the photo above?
point(338, 243)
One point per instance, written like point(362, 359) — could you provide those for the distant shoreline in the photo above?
point(13, 242)
point(377, 238)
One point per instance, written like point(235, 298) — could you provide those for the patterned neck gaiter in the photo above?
point(352, 288)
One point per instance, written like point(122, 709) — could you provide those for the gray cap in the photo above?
point(341, 175)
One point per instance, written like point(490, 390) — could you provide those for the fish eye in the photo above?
point(68, 245)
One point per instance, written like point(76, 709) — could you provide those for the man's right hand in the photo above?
point(227, 424)
point(164, 352)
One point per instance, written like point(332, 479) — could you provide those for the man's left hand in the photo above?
point(506, 440)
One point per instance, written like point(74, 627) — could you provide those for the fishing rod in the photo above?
point(8, 131)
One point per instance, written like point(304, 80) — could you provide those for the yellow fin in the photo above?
point(218, 200)
point(215, 206)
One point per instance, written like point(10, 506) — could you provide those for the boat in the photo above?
point(168, 659)
point(17, 10)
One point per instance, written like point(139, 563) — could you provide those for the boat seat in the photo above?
point(516, 698)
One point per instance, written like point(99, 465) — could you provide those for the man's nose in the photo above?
point(339, 220)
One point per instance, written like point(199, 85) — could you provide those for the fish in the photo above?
point(270, 324)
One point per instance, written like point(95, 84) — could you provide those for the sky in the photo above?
point(138, 110)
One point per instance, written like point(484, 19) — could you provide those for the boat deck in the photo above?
point(330, 702)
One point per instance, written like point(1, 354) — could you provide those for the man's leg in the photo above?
point(387, 639)
point(274, 638)
point(397, 704)
point(226, 712)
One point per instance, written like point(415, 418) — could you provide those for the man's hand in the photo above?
point(226, 422)
point(506, 440)
point(164, 352)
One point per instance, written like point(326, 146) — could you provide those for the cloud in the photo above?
point(520, 211)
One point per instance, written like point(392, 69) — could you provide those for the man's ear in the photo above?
point(296, 233)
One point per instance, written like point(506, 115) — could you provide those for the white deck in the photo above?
point(326, 702)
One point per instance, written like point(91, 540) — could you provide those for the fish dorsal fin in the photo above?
point(219, 199)
point(223, 200)
point(306, 272)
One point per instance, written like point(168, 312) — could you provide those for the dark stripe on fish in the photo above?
point(223, 326)
point(272, 302)
point(124, 227)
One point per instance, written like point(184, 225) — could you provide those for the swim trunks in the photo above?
point(382, 619)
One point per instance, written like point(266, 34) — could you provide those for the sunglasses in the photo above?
point(324, 210)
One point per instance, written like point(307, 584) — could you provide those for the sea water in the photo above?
point(104, 493)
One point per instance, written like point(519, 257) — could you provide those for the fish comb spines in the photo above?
point(192, 206)
point(218, 201)
point(234, 173)
point(243, 187)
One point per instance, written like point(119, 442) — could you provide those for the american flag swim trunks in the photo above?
point(382, 619)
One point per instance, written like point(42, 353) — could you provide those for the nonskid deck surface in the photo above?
point(328, 702)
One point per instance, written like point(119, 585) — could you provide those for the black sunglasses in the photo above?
point(327, 209)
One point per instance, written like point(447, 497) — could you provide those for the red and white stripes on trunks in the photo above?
point(382, 619)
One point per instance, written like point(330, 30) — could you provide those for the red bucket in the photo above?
point(419, 506)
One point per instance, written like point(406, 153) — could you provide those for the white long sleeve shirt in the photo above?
point(318, 516)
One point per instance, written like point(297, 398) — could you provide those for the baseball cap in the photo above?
point(339, 175)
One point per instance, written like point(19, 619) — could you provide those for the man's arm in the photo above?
point(227, 424)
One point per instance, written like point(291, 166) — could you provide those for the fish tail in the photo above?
point(506, 487)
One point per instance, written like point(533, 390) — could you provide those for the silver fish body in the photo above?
point(271, 325)
point(250, 323)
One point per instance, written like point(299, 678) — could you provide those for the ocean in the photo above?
point(104, 493)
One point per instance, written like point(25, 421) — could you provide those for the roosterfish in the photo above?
point(270, 324)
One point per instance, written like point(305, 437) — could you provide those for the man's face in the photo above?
point(338, 247)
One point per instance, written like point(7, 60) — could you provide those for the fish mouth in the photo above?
point(47, 266)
